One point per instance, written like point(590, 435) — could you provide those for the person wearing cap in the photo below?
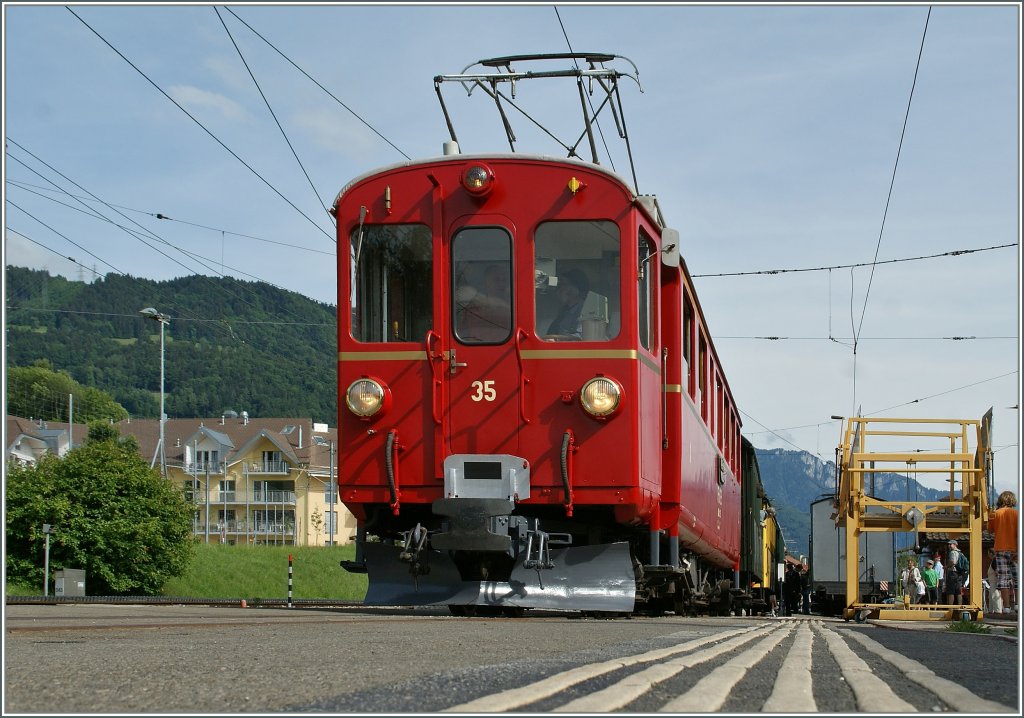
point(931, 583)
point(956, 572)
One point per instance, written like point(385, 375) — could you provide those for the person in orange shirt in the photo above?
point(1003, 524)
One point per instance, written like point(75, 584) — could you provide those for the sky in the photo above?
point(776, 137)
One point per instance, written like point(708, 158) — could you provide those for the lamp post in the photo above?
point(47, 530)
point(151, 313)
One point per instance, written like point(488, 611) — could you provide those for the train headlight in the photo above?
point(478, 179)
point(367, 397)
point(601, 397)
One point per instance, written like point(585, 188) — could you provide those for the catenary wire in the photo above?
point(132, 232)
point(892, 182)
point(28, 187)
point(271, 110)
point(124, 229)
point(201, 125)
point(952, 253)
point(311, 79)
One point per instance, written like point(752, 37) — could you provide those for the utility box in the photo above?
point(69, 582)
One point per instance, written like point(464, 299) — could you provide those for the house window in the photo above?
point(207, 460)
point(330, 494)
point(192, 490)
point(330, 523)
point(272, 462)
point(227, 490)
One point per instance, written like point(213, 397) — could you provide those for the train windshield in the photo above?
point(390, 276)
point(482, 276)
point(576, 277)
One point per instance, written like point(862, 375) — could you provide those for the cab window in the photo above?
point(391, 268)
point(576, 281)
point(482, 291)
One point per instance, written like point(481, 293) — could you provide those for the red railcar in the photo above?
point(532, 413)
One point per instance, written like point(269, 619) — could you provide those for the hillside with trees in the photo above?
point(230, 344)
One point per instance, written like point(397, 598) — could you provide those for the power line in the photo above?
point(134, 234)
point(201, 125)
point(590, 102)
point(27, 187)
point(271, 109)
point(953, 253)
point(48, 249)
point(892, 182)
point(942, 393)
point(310, 78)
point(908, 403)
point(834, 339)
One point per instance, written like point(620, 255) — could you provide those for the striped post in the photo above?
point(289, 580)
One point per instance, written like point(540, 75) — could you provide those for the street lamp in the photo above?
point(151, 313)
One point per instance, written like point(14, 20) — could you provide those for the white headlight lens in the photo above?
point(478, 179)
point(364, 397)
point(600, 396)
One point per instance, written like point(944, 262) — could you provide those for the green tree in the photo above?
point(42, 393)
point(111, 515)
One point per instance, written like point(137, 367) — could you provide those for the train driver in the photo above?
point(573, 287)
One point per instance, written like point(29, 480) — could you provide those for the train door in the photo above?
point(482, 368)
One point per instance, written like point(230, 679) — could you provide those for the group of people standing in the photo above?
point(796, 590)
point(939, 579)
point(947, 578)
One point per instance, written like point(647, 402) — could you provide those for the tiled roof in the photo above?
point(233, 432)
point(238, 431)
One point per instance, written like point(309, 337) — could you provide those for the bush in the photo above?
point(112, 516)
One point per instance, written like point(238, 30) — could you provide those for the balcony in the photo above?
point(273, 497)
point(199, 497)
point(241, 526)
point(266, 467)
point(199, 468)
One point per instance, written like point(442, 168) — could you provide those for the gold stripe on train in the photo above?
point(527, 354)
point(592, 354)
point(382, 356)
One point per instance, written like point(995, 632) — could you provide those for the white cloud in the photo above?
point(193, 97)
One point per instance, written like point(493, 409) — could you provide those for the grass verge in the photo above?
point(254, 572)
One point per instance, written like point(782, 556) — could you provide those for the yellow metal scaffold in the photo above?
point(961, 514)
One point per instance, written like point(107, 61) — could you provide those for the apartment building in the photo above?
point(250, 480)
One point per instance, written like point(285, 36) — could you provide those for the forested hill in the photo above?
point(793, 480)
point(229, 345)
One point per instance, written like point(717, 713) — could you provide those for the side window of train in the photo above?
point(482, 285)
point(691, 382)
point(645, 289)
point(576, 281)
point(391, 281)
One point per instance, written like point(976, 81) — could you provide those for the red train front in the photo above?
point(532, 412)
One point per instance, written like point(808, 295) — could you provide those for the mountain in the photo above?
point(793, 480)
point(230, 344)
